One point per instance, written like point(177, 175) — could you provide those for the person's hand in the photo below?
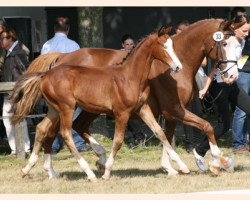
point(202, 93)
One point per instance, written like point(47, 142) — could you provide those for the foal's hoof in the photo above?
point(100, 167)
point(173, 175)
point(23, 174)
point(185, 170)
point(92, 180)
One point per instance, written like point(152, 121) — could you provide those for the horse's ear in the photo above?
point(164, 30)
point(230, 25)
point(226, 25)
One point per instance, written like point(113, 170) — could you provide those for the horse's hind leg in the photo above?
point(120, 125)
point(147, 116)
point(81, 125)
point(65, 130)
point(99, 151)
point(41, 131)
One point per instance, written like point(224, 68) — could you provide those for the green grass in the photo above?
point(135, 171)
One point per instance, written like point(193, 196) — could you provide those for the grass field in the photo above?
point(135, 171)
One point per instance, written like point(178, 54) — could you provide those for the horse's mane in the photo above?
point(197, 23)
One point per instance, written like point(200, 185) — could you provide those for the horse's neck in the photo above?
point(189, 47)
point(191, 56)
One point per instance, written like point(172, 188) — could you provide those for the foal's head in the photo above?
point(167, 56)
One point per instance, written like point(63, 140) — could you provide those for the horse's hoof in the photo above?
point(53, 177)
point(227, 164)
point(23, 174)
point(92, 180)
point(172, 172)
point(214, 169)
point(105, 177)
point(185, 170)
point(100, 167)
point(173, 175)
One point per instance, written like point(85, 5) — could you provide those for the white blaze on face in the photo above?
point(168, 46)
point(233, 51)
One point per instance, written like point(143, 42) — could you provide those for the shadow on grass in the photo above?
point(129, 173)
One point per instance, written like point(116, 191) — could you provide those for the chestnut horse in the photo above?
point(170, 92)
point(118, 90)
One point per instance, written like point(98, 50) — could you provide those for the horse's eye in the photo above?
point(224, 44)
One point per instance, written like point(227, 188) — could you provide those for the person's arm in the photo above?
point(204, 62)
point(210, 78)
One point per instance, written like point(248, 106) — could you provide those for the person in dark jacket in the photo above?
point(2, 56)
point(15, 63)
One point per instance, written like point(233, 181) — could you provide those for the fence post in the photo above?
point(19, 139)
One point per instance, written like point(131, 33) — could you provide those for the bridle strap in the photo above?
point(226, 70)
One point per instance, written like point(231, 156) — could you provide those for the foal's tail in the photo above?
point(43, 62)
point(25, 95)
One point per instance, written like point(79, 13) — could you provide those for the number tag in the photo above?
point(218, 36)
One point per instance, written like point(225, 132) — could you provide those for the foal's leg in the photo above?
point(147, 116)
point(41, 131)
point(65, 130)
point(120, 125)
point(81, 125)
point(48, 140)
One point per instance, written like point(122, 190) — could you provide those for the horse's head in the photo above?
point(221, 48)
point(163, 49)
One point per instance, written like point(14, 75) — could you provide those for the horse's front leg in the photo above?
point(218, 160)
point(121, 120)
point(147, 116)
point(169, 134)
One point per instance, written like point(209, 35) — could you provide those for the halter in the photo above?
point(218, 62)
point(218, 46)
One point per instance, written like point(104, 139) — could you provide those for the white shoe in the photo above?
point(200, 161)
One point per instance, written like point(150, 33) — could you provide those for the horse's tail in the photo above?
point(25, 95)
point(43, 62)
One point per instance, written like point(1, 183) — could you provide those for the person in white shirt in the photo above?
point(61, 43)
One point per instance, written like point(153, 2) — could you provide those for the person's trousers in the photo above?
point(192, 134)
point(78, 140)
point(239, 124)
point(10, 128)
